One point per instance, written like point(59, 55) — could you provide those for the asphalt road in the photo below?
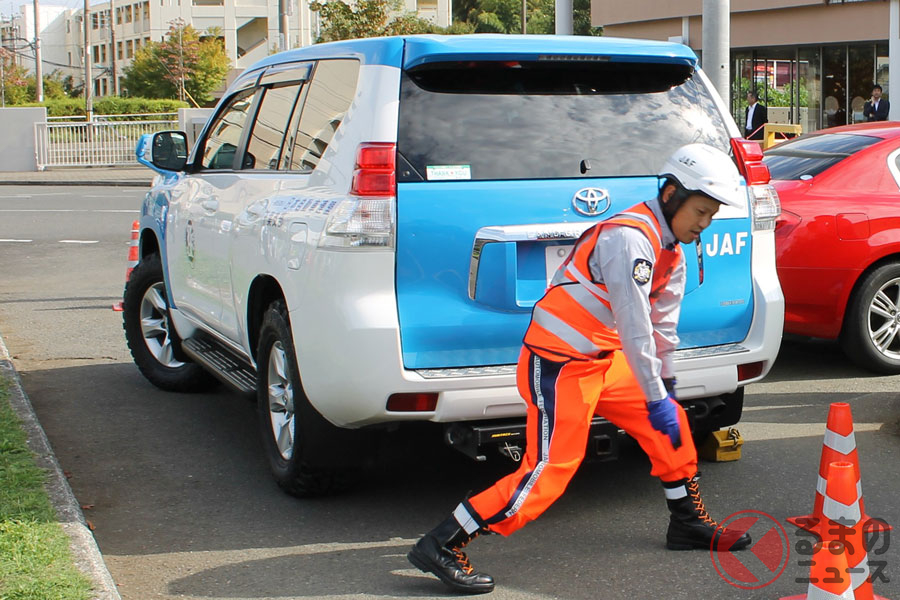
point(177, 489)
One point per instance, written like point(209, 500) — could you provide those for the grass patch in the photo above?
point(35, 560)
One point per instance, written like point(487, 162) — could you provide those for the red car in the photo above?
point(837, 241)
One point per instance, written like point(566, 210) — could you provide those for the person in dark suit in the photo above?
point(877, 108)
point(755, 117)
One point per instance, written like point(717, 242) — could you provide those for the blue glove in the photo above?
point(664, 419)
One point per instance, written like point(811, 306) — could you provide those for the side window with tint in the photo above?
point(329, 96)
point(222, 140)
point(271, 122)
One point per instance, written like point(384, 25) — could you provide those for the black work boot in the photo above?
point(440, 552)
point(691, 527)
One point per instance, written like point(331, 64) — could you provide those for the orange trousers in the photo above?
point(562, 399)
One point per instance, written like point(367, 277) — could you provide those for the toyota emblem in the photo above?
point(590, 202)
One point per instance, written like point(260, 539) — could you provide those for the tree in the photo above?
point(14, 80)
point(368, 18)
point(184, 64)
point(505, 16)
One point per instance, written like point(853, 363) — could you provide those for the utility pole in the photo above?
point(38, 70)
point(564, 17)
point(181, 59)
point(88, 57)
point(112, 48)
point(524, 16)
point(717, 45)
point(283, 27)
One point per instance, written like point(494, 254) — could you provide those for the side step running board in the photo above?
point(221, 362)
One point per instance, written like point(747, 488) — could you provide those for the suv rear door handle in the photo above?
point(210, 204)
point(546, 232)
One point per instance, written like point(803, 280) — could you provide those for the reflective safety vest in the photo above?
point(574, 318)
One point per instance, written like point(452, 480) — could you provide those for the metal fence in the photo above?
point(97, 143)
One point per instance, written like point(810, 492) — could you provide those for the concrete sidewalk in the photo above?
point(136, 176)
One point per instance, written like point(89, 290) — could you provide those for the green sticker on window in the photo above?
point(448, 172)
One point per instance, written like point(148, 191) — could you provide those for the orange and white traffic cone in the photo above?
point(842, 508)
point(828, 578)
point(839, 445)
point(133, 249)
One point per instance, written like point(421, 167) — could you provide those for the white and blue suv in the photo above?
point(362, 228)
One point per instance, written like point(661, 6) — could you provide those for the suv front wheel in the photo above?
point(293, 432)
point(153, 342)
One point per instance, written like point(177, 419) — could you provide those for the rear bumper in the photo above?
point(349, 354)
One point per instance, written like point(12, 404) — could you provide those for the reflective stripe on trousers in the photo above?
point(562, 399)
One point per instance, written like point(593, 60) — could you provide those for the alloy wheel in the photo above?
point(281, 401)
point(883, 322)
point(155, 326)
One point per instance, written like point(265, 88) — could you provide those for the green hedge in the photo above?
point(111, 105)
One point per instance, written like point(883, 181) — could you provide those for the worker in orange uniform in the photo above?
point(600, 342)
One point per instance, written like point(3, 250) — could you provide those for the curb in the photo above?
point(84, 547)
point(119, 183)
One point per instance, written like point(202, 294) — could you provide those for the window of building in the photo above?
point(129, 48)
point(330, 93)
point(70, 58)
point(120, 50)
point(146, 6)
point(269, 127)
point(119, 16)
point(128, 13)
point(221, 142)
point(96, 54)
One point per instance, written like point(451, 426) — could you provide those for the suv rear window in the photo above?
point(547, 120)
point(809, 156)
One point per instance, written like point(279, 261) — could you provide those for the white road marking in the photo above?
point(71, 210)
point(78, 241)
point(757, 432)
point(16, 241)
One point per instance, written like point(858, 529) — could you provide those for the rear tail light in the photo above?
point(764, 200)
point(366, 218)
point(375, 170)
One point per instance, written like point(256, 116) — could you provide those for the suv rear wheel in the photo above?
point(293, 432)
point(151, 338)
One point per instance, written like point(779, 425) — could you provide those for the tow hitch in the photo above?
point(475, 438)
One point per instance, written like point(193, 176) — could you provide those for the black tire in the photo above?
point(298, 441)
point(870, 336)
point(151, 338)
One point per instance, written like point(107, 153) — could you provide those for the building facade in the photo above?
point(812, 62)
point(250, 29)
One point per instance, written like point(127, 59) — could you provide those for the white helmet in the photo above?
point(708, 170)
